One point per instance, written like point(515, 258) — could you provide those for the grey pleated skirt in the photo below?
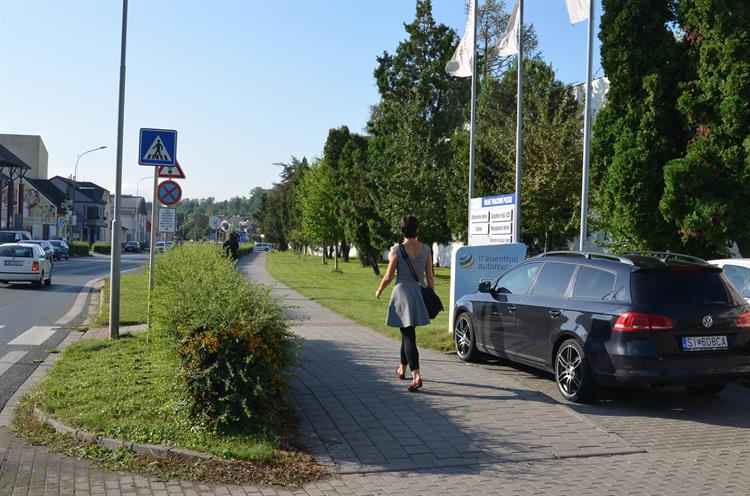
point(407, 307)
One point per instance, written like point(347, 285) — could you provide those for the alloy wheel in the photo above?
point(568, 370)
point(462, 336)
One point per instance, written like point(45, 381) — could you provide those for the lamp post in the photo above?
point(75, 183)
point(137, 186)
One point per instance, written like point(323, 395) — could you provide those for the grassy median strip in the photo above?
point(351, 291)
point(133, 300)
point(130, 389)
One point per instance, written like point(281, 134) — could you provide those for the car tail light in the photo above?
point(636, 321)
point(35, 266)
point(744, 320)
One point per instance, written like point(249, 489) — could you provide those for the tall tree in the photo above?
point(551, 155)
point(639, 130)
point(316, 198)
point(708, 190)
point(420, 106)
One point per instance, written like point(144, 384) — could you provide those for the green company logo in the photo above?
point(466, 261)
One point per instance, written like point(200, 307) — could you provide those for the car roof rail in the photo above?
point(665, 256)
point(587, 254)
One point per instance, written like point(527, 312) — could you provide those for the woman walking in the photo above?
point(411, 261)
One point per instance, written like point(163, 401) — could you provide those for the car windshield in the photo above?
point(17, 251)
point(669, 287)
point(55, 243)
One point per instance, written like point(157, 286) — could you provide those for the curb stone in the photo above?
point(115, 444)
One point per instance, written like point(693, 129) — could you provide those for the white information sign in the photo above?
point(167, 220)
point(214, 222)
point(492, 220)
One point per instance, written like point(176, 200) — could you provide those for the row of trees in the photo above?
point(672, 146)
point(413, 157)
point(670, 163)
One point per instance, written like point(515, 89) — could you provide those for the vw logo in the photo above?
point(708, 321)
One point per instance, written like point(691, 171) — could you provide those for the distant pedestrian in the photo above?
point(410, 260)
point(232, 246)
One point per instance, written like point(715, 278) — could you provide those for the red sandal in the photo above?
point(400, 375)
point(414, 385)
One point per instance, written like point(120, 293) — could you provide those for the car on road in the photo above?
point(594, 320)
point(25, 262)
point(62, 250)
point(159, 246)
point(133, 246)
point(49, 250)
point(262, 247)
point(13, 236)
point(738, 271)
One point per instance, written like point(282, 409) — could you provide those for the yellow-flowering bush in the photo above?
point(233, 341)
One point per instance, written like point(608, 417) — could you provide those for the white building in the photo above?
point(133, 216)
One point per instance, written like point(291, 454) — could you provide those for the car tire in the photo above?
point(49, 280)
point(464, 339)
point(706, 389)
point(572, 373)
point(40, 282)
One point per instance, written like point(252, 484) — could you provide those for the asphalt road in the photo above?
point(34, 321)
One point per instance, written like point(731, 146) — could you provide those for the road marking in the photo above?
point(9, 360)
point(77, 307)
point(1, 326)
point(34, 336)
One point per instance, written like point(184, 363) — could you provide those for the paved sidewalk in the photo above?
point(472, 429)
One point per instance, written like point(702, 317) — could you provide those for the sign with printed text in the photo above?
point(167, 220)
point(157, 147)
point(492, 220)
point(474, 264)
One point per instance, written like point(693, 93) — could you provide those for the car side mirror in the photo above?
point(485, 287)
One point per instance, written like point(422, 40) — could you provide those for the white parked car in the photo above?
point(738, 271)
point(159, 246)
point(262, 247)
point(25, 262)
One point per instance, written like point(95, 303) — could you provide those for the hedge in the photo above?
point(102, 248)
point(233, 342)
point(245, 249)
point(78, 248)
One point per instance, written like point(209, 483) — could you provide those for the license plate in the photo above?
point(13, 263)
point(704, 343)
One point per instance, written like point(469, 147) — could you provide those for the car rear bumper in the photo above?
point(655, 371)
point(20, 276)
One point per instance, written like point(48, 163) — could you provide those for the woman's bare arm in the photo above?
point(389, 273)
point(430, 272)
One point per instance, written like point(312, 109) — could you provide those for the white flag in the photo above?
point(578, 10)
point(508, 44)
point(462, 63)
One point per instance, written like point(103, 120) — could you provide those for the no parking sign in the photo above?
point(169, 192)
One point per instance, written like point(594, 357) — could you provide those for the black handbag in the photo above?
point(431, 299)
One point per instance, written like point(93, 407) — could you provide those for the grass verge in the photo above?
point(133, 300)
point(130, 389)
point(351, 293)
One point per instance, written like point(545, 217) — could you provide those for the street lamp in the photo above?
point(139, 183)
point(75, 183)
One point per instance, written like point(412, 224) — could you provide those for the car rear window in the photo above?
point(668, 287)
point(7, 237)
point(16, 251)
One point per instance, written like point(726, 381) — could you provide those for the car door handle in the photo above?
point(512, 308)
point(555, 313)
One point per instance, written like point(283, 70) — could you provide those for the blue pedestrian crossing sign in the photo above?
point(157, 147)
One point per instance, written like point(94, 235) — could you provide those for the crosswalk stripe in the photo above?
point(9, 360)
point(1, 326)
point(34, 336)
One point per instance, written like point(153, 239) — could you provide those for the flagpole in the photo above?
point(587, 132)
point(519, 110)
point(472, 136)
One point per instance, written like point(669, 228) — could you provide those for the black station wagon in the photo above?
point(643, 319)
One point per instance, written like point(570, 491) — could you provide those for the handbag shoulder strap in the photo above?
point(408, 262)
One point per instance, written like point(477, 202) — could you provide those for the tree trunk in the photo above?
point(324, 256)
point(336, 261)
point(546, 241)
point(374, 263)
point(345, 252)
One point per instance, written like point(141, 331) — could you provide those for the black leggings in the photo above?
point(409, 351)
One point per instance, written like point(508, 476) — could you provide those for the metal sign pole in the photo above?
point(152, 245)
point(519, 127)
point(587, 134)
point(114, 276)
point(472, 135)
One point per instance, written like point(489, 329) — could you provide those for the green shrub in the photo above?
point(78, 248)
point(102, 248)
point(232, 338)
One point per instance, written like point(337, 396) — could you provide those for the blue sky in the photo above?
point(246, 83)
